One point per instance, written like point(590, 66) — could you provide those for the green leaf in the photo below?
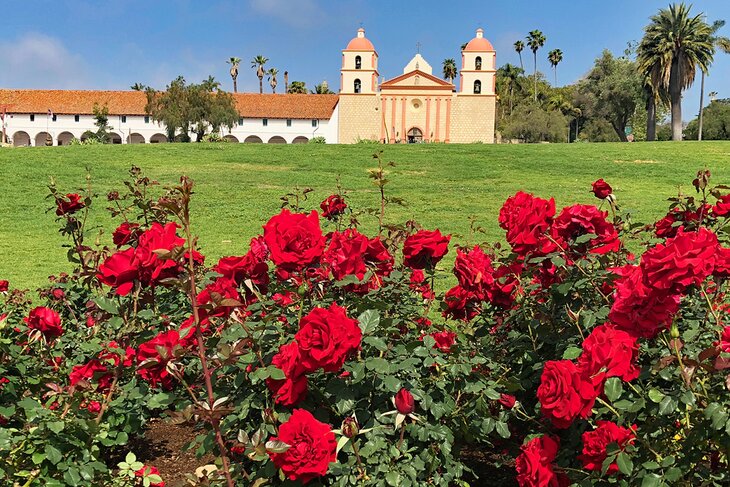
point(393, 478)
point(56, 426)
point(53, 454)
point(655, 395)
point(72, 476)
point(377, 364)
point(108, 305)
point(369, 321)
point(160, 401)
point(625, 465)
point(613, 389)
point(502, 429)
point(652, 480)
point(572, 353)
point(668, 405)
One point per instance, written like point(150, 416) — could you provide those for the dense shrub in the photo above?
point(325, 356)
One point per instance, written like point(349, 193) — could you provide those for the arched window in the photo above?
point(358, 86)
point(478, 63)
point(477, 87)
point(358, 62)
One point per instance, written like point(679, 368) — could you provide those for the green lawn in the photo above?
point(238, 186)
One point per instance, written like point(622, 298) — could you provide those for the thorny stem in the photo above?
point(402, 435)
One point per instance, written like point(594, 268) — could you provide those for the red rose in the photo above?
point(87, 372)
point(595, 443)
point(722, 263)
point(526, 220)
point(601, 189)
point(379, 262)
point(419, 284)
point(404, 401)
point(69, 205)
point(45, 320)
point(94, 407)
point(505, 286)
point(119, 271)
point(444, 340)
point(722, 206)
point(126, 233)
point(725, 340)
point(461, 304)
point(578, 220)
point(214, 293)
point(327, 337)
point(507, 400)
point(295, 240)
point(535, 464)
point(564, 394)
point(312, 447)
point(153, 356)
point(4, 285)
point(682, 261)
point(609, 352)
point(345, 254)
point(293, 388)
point(333, 206)
point(424, 249)
point(151, 268)
point(114, 354)
point(639, 309)
point(474, 271)
point(148, 470)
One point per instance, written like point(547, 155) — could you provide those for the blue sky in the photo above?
point(113, 44)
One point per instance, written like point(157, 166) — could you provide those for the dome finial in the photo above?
point(480, 33)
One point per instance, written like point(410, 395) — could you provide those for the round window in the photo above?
point(416, 104)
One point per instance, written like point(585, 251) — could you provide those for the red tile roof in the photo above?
point(76, 102)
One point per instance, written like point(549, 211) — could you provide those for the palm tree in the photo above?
point(519, 47)
point(272, 78)
point(138, 87)
point(511, 76)
point(722, 43)
point(298, 87)
point(322, 89)
point(674, 45)
point(535, 40)
point(555, 56)
point(712, 95)
point(258, 63)
point(450, 70)
point(234, 62)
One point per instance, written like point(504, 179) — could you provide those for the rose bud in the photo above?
point(507, 400)
point(404, 401)
point(94, 407)
point(270, 416)
point(4, 285)
point(601, 189)
point(350, 427)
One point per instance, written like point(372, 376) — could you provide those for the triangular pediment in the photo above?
point(416, 78)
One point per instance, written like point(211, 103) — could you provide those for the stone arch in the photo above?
point(358, 62)
point(357, 86)
point(231, 138)
point(477, 87)
point(478, 63)
point(158, 139)
point(277, 139)
point(300, 140)
point(415, 135)
point(42, 139)
point(115, 138)
point(135, 138)
point(253, 139)
point(65, 138)
point(21, 139)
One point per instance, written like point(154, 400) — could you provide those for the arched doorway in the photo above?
point(65, 138)
point(21, 139)
point(115, 138)
point(277, 139)
point(300, 140)
point(135, 139)
point(253, 139)
point(158, 139)
point(43, 139)
point(231, 138)
point(415, 136)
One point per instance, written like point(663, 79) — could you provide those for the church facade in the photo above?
point(413, 107)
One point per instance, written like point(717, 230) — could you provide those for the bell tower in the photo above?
point(478, 67)
point(359, 72)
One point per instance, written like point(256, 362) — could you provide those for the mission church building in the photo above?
point(413, 107)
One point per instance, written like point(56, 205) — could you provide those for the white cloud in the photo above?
point(39, 61)
point(297, 13)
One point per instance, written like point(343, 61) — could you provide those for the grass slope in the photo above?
point(239, 186)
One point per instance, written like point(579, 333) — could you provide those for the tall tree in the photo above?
point(322, 88)
point(272, 78)
point(674, 45)
point(509, 76)
point(722, 43)
point(297, 87)
point(535, 40)
point(258, 62)
point(450, 70)
point(234, 62)
point(519, 47)
point(555, 57)
point(138, 87)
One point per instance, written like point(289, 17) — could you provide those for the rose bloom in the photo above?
point(157, 374)
point(535, 464)
point(215, 292)
point(505, 286)
point(126, 233)
point(404, 401)
point(595, 443)
point(461, 304)
point(722, 263)
point(380, 263)
point(424, 249)
point(682, 261)
point(639, 309)
point(94, 407)
point(419, 284)
point(293, 388)
point(4, 285)
point(444, 340)
point(345, 254)
point(148, 470)
point(474, 271)
point(87, 372)
point(69, 205)
point(507, 400)
point(327, 337)
point(333, 206)
point(526, 220)
point(312, 447)
point(119, 271)
point(151, 268)
point(722, 206)
point(601, 189)
point(609, 352)
point(245, 267)
point(578, 220)
point(725, 340)
point(295, 240)
point(45, 320)
point(564, 394)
